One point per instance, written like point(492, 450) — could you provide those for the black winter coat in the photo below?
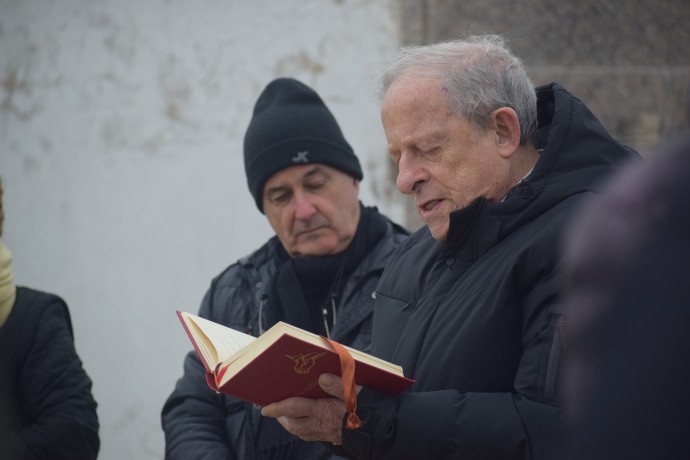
point(474, 319)
point(46, 407)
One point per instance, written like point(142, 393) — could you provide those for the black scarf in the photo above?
point(305, 286)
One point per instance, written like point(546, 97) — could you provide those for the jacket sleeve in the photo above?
point(523, 424)
point(55, 393)
point(195, 419)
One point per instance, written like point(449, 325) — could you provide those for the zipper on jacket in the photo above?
point(258, 317)
point(558, 345)
point(561, 330)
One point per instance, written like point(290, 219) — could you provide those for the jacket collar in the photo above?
point(471, 232)
point(577, 154)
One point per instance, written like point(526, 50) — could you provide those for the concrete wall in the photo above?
point(121, 125)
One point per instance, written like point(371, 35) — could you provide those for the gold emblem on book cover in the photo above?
point(304, 363)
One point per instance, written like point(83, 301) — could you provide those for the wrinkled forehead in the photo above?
point(295, 176)
point(413, 89)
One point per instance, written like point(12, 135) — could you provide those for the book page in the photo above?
point(225, 340)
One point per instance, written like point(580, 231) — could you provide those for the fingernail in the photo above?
point(326, 379)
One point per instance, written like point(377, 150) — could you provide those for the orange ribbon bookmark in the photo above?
point(347, 369)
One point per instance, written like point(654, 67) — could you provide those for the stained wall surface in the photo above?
point(121, 125)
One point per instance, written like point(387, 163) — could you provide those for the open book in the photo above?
point(283, 362)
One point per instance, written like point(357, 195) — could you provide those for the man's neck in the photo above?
point(527, 157)
point(524, 161)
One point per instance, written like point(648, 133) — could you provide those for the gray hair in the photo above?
point(478, 75)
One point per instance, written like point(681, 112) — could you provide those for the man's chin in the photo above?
point(439, 230)
point(317, 248)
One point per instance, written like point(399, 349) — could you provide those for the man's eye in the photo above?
point(429, 153)
point(315, 185)
point(281, 198)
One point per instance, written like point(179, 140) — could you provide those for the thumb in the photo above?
point(332, 384)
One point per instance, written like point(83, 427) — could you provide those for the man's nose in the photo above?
point(410, 174)
point(304, 206)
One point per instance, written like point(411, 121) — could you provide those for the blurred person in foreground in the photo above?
point(318, 272)
point(628, 303)
point(469, 305)
point(47, 410)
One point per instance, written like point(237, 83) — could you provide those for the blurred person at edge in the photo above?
point(469, 305)
point(47, 410)
point(318, 272)
point(627, 261)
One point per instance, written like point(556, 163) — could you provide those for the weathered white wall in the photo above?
point(121, 125)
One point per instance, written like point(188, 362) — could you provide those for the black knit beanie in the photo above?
point(292, 126)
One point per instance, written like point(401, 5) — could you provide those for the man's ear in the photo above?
point(504, 122)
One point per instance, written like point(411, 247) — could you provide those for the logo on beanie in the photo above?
point(301, 157)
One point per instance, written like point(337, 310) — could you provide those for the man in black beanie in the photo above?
point(318, 272)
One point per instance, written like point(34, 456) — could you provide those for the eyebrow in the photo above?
point(313, 172)
point(316, 170)
point(432, 139)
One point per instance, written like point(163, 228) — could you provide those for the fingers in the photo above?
point(309, 419)
point(312, 429)
point(291, 407)
point(300, 407)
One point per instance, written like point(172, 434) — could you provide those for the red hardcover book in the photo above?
point(283, 362)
